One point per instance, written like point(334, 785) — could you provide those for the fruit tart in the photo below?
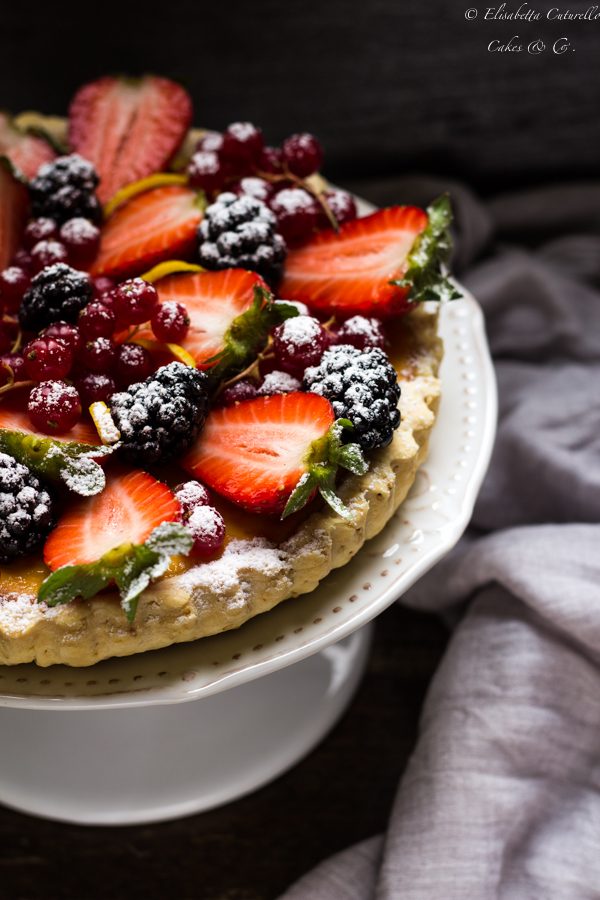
point(216, 380)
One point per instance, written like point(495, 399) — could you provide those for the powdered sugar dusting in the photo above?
point(226, 574)
point(279, 383)
point(192, 494)
point(299, 332)
point(19, 612)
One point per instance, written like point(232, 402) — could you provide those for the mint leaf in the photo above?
point(300, 496)
point(247, 335)
point(132, 567)
point(325, 456)
point(425, 274)
point(70, 462)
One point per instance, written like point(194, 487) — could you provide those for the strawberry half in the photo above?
point(27, 152)
point(128, 127)
point(350, 271)
point(213, 300)
point(131, 506)
point(14, 204)
point(156, 225)
point(15, 420)
point(261, 453)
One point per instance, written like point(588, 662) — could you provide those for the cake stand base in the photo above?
point(152, 763)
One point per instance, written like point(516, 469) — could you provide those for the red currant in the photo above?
point(134, 364)
point(361, 333)
point(297, 213)
point(298, 343)
point(342, 205)
point(13, 284)
point(94, 387)
point(208, 530)
point(212, 141)
point(134, 301)
point(54, 407)
point(102, 285)
point(42, 229)
point(276, 382)
point(22, 259)
point(270, 161)
point(302, 154)
point(170, 322)
point(96, 320)
point(98, 355)
point(82, 240)
point(191, 494)
point(12, 368)
point(47, 359)
point(237, 392)
point(206, 171)
point(255, 187)
point(66, 333)
point(46, 253)
point(242, 144)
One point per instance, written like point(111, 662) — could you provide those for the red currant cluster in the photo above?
point(205, 523)
point(238, 160)
point(45, 242)
point(91, 354)
point(296, 344)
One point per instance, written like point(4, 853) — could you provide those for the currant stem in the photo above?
point(13, 385)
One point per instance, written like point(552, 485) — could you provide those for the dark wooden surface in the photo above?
point(254, 848)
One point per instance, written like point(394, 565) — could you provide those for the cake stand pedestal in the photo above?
point(128, 766)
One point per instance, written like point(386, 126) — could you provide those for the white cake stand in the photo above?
point(118, 743)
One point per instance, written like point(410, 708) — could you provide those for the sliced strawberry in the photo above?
point(157, 225)
point(16, 420)
point(26, 151)
point(128, 127)
point(213, 300)
point(131, 506)
point(350, 271)
point(14, 204)
point(255, 453)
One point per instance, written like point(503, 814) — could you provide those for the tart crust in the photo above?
point(253, 575)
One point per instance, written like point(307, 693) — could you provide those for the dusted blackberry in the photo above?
point(65, 189)
point(57, 294)
point(25, 510)
point(239, 232)
point(159, 418)
point(362, 386)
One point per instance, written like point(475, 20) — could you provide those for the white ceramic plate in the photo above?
point(427, 525)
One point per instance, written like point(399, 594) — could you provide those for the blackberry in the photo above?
point(362, 386)
point(57, 294)
point(159, 418)
point(25, 510)
point(64, 189)
point(240, 232)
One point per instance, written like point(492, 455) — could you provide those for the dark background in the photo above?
point(388, 85)
point(392, 88)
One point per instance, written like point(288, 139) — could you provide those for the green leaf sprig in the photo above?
point(68, 461)
point(325, 456)
point(425, 275)
point(248, 333)
point(131, 567)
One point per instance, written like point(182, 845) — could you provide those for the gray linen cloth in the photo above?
point(501, 798)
